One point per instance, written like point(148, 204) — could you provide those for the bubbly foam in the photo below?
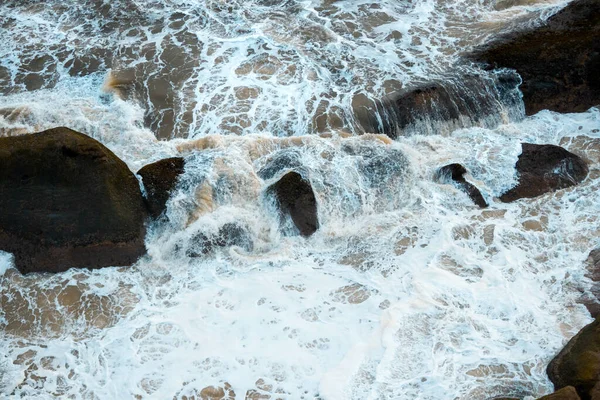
point(407, 290)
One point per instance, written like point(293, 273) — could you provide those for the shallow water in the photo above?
point(407, 291)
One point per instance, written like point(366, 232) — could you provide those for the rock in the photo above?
point(230, 234)
point(578, 364)
point(67, 201)
point(296, 198)
point(159, 180)
point(435, 107)
point(454, 173)
point(566, 393)
point(592, 299)
point(545, 168)
point(558, 61)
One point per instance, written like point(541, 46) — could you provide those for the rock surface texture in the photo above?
point(68, 201)
point(578, 364)
point(296, 198)
point(559, 61)
point(545, 168)
point(160, 178)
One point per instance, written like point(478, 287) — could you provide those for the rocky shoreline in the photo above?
point(67, 201)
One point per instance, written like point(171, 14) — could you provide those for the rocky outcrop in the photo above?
point(160, 178)
point(296, 199)
point(67, 201)
point(566, 393)
point(545, 168)
point(558, 61)
point(578, 364)
point(454, 173)
point(440, 106)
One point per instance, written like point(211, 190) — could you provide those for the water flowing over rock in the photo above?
point(559, 61)
point(454, 173)
point(592, 299)
point(296, 199)
point(67, 201)
point(578, 364)
point(544, 168)
point(159, 180)
point(566, 393)
point(441, 107)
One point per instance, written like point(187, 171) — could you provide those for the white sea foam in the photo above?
point(406, 291)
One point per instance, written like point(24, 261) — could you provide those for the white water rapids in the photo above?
point(407, 290)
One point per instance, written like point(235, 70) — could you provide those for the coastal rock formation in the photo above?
point(566, 393)
point(159, 180)
point(67, 201)
point(544, 168)
point(438, 107)
point(578, 364)
point(296, 199)
point(559, 61)
point(454, 173)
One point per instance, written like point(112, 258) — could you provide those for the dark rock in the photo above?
point(297, 199)
point(578, 364)
point(566, 393)
point(454, 173)
point(67, 201)
point(230, 234)
point(545, 168)
point(436, 106)
point(160, 178)
point(559, 61)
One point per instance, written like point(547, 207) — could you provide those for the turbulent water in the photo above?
point(407, 290)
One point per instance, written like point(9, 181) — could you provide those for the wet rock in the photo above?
point(280, 161)
point(297, 200)
point(592, 299)
point(435, 107)
point(67, 201)
point(160, 178)
point(558, 61)
point(578, 364)
point(454, 173)
point(566, 393)
point(545, 168)
point(230, 234)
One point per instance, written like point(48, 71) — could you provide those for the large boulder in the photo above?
point(558, 61)
point(159, 179)
point(440, 106)
point(544, 168)
point(578, 364)
point(67, 201)
point(296, 200)
point(454, 173)
point(566, 393)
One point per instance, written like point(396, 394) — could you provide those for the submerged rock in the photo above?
point(545, 168)
point(159, 180)
point(559, 61)
point(437, 106)
point(230, 234)
point(67, 201)
point(566, 393)
point(578, 364)
point(454, 173)
point(296, 199)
